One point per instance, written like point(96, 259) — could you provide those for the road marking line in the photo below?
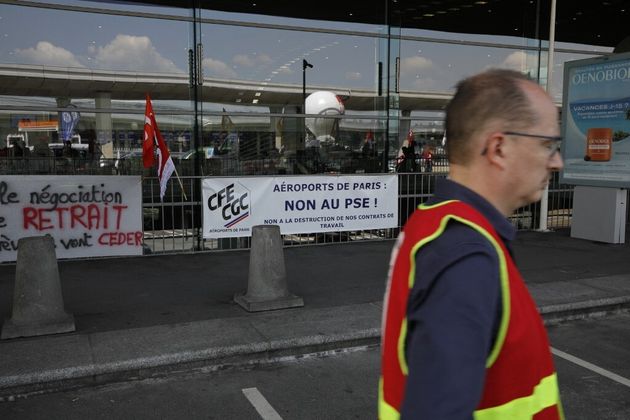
point(608, 374)
point(261, 405)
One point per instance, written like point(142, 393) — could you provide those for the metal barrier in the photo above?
point(175, 225)
point(559, 211)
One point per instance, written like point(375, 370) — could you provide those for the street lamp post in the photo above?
point(305, 65)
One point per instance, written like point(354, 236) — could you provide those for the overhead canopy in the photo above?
point(601, 23)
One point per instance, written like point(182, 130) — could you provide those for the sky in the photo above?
point(88, 40)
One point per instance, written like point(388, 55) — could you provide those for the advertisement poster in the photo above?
point(300, 204)
point(596, 122)
point(87, 216)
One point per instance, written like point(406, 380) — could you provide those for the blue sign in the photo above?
point(69, 120)
point(596, 121)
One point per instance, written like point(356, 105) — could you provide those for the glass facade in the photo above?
point(229, 89)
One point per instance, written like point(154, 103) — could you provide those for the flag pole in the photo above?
point(180, 182)
point(153, 139)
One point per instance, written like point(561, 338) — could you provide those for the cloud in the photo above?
point(251, 60)
point(135, 53)
point(46, 53)
point(515, 61)
point(217, 68)
point(353, 75)
point(263, 59)
point(284, 70)
point(243, 60)
point(414, 65)
point(424, 84)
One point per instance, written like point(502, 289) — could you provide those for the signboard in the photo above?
point(596, 122)
point(88, 216)
point(48, 125)
point(300, 204)
point(69, 120)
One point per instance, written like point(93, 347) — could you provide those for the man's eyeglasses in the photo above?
point(553, 146)
point(554, 141)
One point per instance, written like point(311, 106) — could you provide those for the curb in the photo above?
point(234, 356)
point(553, 314)
point(216, 357)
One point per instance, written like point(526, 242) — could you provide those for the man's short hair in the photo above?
point(491, 96)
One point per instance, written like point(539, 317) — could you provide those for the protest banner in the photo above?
point(87, 216)
point(304, 204)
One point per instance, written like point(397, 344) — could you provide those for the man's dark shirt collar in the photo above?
point(449, 190)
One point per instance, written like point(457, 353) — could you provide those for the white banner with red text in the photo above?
point(299, 204)
point(87, 216)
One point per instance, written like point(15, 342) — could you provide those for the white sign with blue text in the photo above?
point(300, 204)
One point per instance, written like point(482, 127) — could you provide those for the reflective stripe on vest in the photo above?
point(426, 225)
point(545, 395)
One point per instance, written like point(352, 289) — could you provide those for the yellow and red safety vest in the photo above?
point(520, 381)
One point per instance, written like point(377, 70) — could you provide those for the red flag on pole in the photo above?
point(148, 144)
point(152, 138)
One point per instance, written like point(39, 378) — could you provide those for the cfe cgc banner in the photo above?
point(87, 216)
point(299, 204)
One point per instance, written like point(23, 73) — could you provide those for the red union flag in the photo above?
point(148, 143)
point(152, 138)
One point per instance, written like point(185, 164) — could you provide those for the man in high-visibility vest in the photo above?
point(462, 337)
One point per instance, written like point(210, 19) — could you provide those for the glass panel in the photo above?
point(100, 66)
point(255, 79)
point(436, 67)
point(106, 42)
point(114, 151)
point(264, 145)
point(261, 70)
point(273, 59)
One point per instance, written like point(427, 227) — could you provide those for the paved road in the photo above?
point(337, 386)
point(597, 385)
point(342, 386)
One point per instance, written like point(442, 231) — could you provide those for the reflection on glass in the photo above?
point(250, 107)
point(435, 67)
point(273, 57)
point(93, 41)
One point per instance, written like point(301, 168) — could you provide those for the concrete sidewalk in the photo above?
point(138, 317)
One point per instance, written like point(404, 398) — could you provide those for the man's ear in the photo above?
point(494, 150)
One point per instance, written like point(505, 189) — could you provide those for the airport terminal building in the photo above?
point(269, 88)
point(241, 68)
